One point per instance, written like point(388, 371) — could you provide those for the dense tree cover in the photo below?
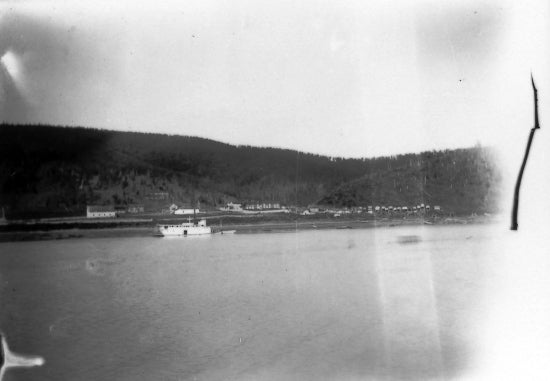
point(51, 169)
point(461, 181)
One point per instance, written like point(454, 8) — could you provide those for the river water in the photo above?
point(361, 304)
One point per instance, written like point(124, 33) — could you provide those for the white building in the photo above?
point(99, 211)
point(234, 207)
point(186, 211)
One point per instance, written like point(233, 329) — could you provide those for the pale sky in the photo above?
point(343, 78)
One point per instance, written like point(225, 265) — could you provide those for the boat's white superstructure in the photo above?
point(185, 229)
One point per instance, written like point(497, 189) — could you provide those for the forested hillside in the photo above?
point(47, 170)
point(462, 180)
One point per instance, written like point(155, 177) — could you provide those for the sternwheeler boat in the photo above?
point(185, 229)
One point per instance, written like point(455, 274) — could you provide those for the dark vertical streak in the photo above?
point(520, 175)
point(1, 354)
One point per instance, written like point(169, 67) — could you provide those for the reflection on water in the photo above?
point(342, 304)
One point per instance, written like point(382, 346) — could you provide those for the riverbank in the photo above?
point(55, 230)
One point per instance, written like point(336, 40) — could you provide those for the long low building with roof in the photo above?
point(100, 211)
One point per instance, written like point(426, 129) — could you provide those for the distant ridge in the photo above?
point(54, 170)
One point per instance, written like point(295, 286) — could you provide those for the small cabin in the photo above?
point(135, 209)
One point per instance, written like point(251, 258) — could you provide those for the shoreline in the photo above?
point(123, 229)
